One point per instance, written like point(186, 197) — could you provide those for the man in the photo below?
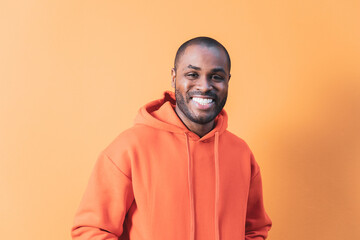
point(178, 173)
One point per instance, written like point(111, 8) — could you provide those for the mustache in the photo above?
point(205, 94)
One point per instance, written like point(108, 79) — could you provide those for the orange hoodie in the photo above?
point(160, 181)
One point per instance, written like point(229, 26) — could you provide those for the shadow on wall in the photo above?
point(315, 163)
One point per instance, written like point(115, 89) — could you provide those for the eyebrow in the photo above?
point(220, 69)
point(193, 67)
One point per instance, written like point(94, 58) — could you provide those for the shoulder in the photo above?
point(129, 139)
point(237, 145)
point(122, 149)
point(234, 141)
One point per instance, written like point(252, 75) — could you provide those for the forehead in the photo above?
point(203, 57)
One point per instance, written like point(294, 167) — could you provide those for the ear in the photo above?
point(173, 77)
point(229, 77)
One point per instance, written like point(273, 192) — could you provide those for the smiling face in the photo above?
point(201, 84)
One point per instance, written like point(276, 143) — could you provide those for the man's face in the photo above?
point(201, 83)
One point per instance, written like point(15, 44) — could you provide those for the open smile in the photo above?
point(203, 103)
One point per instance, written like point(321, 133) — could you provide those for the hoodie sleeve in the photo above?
point(105, 203)
point(258, 222)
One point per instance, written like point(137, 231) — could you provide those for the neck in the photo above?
point(197, 128)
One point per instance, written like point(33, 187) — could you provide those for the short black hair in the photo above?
point(205, 41)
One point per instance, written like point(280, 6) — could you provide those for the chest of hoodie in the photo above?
point(163, 167)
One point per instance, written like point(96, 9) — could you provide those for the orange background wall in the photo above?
point(74, 73)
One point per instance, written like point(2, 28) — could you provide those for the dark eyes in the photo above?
point(217, 77)
point(195, 75)
point(192, 75)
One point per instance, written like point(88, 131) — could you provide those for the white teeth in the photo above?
point(202, 101)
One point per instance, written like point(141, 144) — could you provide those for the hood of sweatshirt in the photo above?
point(161, 114)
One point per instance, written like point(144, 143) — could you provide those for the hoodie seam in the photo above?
point(117, 167)
point(256, 174)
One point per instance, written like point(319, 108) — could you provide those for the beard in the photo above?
point(183, 103)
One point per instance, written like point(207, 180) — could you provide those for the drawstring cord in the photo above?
point(191, 188)
point(217, 186)
point(191, 191)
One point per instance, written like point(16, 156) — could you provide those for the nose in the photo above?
point(203, 84)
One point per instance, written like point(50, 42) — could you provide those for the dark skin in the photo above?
point(201, 81)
